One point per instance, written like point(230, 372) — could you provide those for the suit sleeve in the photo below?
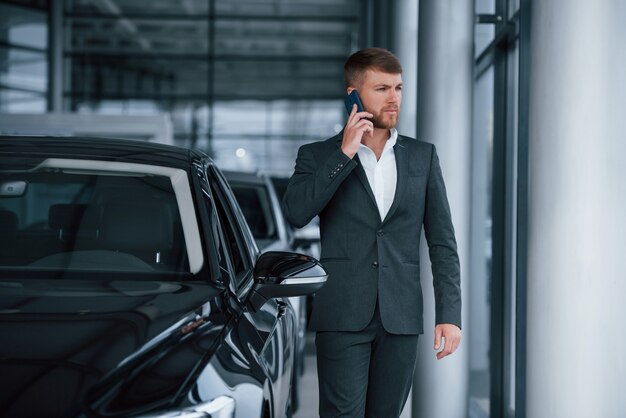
point(314, 183)
point(442, 248)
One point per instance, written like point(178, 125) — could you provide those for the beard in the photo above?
point(384, 121)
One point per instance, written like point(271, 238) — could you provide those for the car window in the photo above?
point(236, 244)
point(256, 206)
point(86, 220)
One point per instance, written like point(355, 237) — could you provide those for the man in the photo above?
point(373, 190)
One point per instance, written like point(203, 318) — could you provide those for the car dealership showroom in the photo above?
point(168, 249)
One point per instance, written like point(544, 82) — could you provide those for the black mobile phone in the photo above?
point(351, 99)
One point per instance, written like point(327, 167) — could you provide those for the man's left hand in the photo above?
point(452, 338)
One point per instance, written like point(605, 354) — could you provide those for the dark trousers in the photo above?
point(366, 373)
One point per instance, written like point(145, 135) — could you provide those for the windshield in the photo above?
point(77, 219)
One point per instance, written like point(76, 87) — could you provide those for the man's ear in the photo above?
point(349, 89)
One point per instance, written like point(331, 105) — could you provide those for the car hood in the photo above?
point(100, 345)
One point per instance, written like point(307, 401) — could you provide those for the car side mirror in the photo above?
point(282, 274)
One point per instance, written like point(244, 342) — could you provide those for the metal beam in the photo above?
point(221, 16)
point(270, 96)
point(103, 55)
point(55, 57)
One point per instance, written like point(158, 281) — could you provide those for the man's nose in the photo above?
point(394, 96)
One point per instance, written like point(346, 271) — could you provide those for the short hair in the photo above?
point(369, 58)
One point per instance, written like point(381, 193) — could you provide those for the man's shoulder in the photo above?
point(324, 145)
point(414, 143)
point(331, 144)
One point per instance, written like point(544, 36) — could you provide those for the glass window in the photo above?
point(273, 132)
point(493, 344)
point(513, 7)
point(16, 101)
point(235, 242)
point(120, 78)
point(74, 220)
point(187, 7)
point(255, 204)
point(484, 34)
point(232, 77)
point(480, 296)
point(140, 58)
point(32, 4)
point(23, 26)
point(511, 225)
point(103, 35)
point(23, 59)
point(485, 6)
point(24, 70)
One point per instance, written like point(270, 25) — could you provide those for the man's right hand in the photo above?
point(356, 127)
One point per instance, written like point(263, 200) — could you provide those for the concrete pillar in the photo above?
point(576, 336)
point(444, 103)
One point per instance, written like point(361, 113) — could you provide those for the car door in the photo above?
point(274, 322)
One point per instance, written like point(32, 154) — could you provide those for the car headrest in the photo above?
point(72, 217)
point(136, 226)
point(8, 222)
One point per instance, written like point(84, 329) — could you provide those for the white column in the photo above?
point(405, 48)
point(576, 353)
point(444, 103)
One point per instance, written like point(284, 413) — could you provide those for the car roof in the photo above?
point(244, 177)
point(125, 150)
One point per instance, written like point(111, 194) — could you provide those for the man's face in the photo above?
point(381, 94)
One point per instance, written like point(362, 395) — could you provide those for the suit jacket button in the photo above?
point(375, 264)
point(380, 233)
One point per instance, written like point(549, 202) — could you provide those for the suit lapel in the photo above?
point(402, 168)
point(360, 172)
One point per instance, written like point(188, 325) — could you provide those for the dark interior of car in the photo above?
point(93, 222)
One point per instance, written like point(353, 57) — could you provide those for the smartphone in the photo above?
point(351, 99)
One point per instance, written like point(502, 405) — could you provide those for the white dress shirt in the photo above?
point(382, 174)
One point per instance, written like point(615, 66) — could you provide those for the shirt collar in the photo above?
point(391, 141)
point(393, 138)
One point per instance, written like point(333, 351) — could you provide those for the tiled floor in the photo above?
point(308, 386)
point(308, 390)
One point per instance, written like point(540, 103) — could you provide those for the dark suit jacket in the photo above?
point(368, 259)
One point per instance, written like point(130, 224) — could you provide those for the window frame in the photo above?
point(509, 202)
point(239, 282)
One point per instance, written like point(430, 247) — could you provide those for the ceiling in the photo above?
point(218, 49)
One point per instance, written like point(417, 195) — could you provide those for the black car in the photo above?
point(262, 209)
point(306, 239)
point(131, 286)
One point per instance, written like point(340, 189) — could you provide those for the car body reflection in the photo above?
point(129, 287)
